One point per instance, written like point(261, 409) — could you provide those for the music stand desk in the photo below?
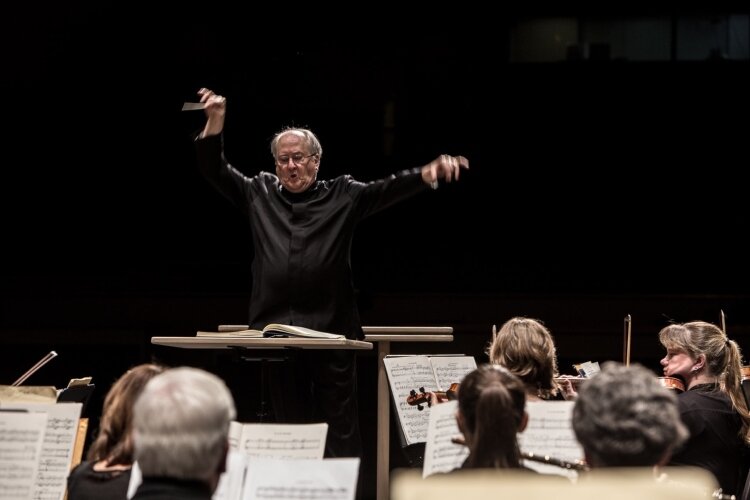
point(259, 343)
point(384, 335)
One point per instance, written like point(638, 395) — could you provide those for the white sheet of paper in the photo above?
point(433, 373)
point(550, 432)
point(230, 483)
point(449, 370)
point(441, 454)
point(404, 375)
point(235, 433)
point(330, 479)
point(136, 478)
point(283, 440)
point(57, 447)
point(21, 436)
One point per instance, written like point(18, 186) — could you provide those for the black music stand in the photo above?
point(264, 360)
point(77, 394)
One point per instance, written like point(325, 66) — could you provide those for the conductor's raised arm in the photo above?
point(216, 109)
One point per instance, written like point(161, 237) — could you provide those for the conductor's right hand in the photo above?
point(216, 109)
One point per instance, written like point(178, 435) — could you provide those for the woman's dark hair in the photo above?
point(491, 401)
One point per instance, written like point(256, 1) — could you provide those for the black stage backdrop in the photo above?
point(596, 189)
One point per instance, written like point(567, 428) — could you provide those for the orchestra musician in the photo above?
point(106, 471)
point(623, 417)
point(491, 411)
point(181, 434)
point(713, 405)
point(526, 348)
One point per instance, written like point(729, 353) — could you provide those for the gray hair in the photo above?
point(181, 424)
point(623, 417)
point(311, 140)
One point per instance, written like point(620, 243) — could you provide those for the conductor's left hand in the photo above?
point(443, 167)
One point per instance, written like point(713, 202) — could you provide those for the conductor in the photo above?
point(302, 230)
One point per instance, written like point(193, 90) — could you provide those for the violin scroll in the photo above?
point(420, 398)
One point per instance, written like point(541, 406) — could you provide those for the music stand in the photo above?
point(77, 394)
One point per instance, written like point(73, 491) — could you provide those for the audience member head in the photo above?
point(181, 426)
point(623, 417)
point(526, 348)
point(491, 411)
point(114, 443)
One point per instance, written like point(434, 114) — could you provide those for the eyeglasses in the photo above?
point(296, 158)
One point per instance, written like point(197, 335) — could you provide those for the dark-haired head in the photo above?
point(491, 411)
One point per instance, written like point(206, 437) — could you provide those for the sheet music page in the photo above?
point(441, 454)
point(449, 370)
point(550, 432)
point(235, 433)
point(283, 440)
point(407, 373)
point(21, 436)
point(79, 381)
point(230, 482)
point(57, 447)
point(329, 479)
point(136, 478)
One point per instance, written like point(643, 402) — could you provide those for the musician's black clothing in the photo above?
point(714, 443)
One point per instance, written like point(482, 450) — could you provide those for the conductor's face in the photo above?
point(296, 167)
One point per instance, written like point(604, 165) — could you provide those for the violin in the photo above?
point(422, 397)
point(745, 370)
point(672, 383)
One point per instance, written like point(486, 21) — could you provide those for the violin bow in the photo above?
point(626, 341)
point(31, 371)
point(723, 322)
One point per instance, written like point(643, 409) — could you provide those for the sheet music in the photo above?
point(441, 454)
point(283, 440)
point(21, 436)
point(235, 433)
point(230, 482)
point(57, 447)
point(136, 478)
point(449, 370)
point(330, 479)
point(406, 374)
point(434, 373)
point(550, 432)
